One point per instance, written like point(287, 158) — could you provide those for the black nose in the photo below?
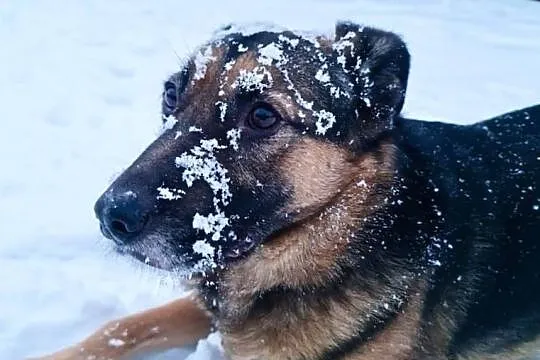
point(121, 215)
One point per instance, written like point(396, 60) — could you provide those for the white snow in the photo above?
point(251, 80)
point(222, 110)
point(204, 248)
point(322, 74)
point(80, 98)
point(211, 224)
point(166, 193)
point(292, 42)
point(242, 48)
point(202, 58)
point(116, 342)
point(233, 136)
point(325, 120)
point(195, 129)
point(343, 44)
point(269, 53)
point(168, 123)
point(247, 26)
point(201, 163)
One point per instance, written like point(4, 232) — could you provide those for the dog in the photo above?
point(312, 221)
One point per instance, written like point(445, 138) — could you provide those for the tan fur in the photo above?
point(179, 323)
point(306, 256)
point(306, 253)
point(309, 329)
point(399, 339)
point(244, 62)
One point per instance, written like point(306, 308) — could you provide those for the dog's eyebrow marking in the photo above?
point(284, 103)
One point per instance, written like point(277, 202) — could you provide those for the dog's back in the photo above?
point(487, 180)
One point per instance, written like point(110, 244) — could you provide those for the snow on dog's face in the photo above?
point(260, 131)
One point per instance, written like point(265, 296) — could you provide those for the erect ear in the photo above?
point(377, 65)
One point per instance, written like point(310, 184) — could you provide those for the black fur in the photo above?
point(488, 175)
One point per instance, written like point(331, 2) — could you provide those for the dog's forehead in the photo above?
point(264, 49)
point(296, 72)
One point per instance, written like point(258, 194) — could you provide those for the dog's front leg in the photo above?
point(176, 324)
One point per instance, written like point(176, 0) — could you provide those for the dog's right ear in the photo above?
point(377, 65)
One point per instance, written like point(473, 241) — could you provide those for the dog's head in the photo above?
point(261, 131)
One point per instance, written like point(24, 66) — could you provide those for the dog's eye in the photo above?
point(263, 117)
point(169, 97)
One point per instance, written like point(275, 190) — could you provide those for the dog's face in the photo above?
point(261, 131)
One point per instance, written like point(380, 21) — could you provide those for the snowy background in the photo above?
point(80, 85)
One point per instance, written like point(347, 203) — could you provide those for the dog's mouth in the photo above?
point(150, 250)
point(157, 252)
point(173, 249)
point(156, 256)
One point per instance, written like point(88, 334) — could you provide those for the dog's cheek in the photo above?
point(316, 171)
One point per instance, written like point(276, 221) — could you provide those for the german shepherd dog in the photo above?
point(317, 223)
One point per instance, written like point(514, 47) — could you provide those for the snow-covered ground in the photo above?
point(79, 98)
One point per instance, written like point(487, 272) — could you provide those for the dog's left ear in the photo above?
point(377, 65)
